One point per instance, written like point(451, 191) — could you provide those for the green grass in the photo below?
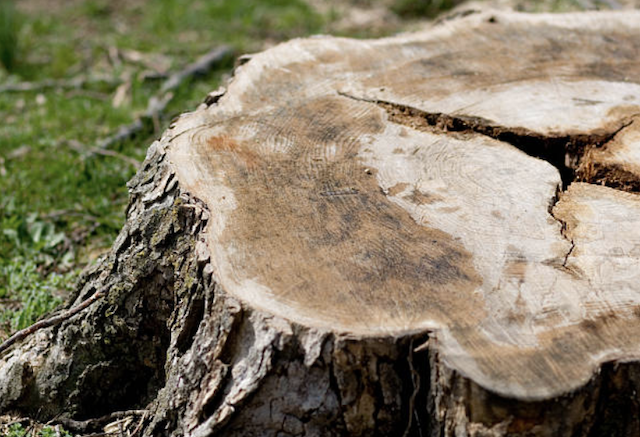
point(9, 28)
point(35, 268)
point(422, 8)
point(17, 430)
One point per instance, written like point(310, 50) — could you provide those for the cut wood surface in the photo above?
point(433, 234)
point(341, 199)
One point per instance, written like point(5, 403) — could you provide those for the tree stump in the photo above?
point(435, 234)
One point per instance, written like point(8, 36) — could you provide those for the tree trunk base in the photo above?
point(175, 334)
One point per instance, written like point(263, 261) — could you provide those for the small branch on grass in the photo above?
point(156, 62)
point(155, 107)
point(81, 426)
point(69, 213)
point(81, 148)
point(7, 301)
point(74, 83)
point(55, 320)
point(159, 102)
point(87, 94)
point(20, 420)
point(199, 68)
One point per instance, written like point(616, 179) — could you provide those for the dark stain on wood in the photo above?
point(322, 236)
point(421, 197)
point(397, 188)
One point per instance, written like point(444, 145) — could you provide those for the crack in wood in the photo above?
point(565, 151)
point(563, 231)
point(415, 380)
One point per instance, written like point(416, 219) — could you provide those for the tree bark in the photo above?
point(435, 234)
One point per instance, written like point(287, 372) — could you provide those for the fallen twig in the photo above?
point(158, 103)
point(55, 320)
point(74, 83)
point(87, 94)
point(155, 107)
point(133, 162)
point(8, 301)
point(80, 148)
point(142, 419)
point(81, 426)
point(19, 420)
point(200, 67)
point(69, 213)
point(156, 62)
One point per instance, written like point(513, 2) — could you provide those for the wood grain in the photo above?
point(329, 210)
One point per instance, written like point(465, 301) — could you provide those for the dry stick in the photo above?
point(70, 213)
point(158, 103)
point(202, 66)
point(75, 83)
point(19, 420)
point(155, 107)
point(131, 161)
point(142, 419)
point(9, 301)
point(81, 148)
point(84, 425)
point(55, 320)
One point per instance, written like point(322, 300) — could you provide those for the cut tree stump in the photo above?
point(435, 234)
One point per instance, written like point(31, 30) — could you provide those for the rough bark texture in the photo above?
point(351, 241)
